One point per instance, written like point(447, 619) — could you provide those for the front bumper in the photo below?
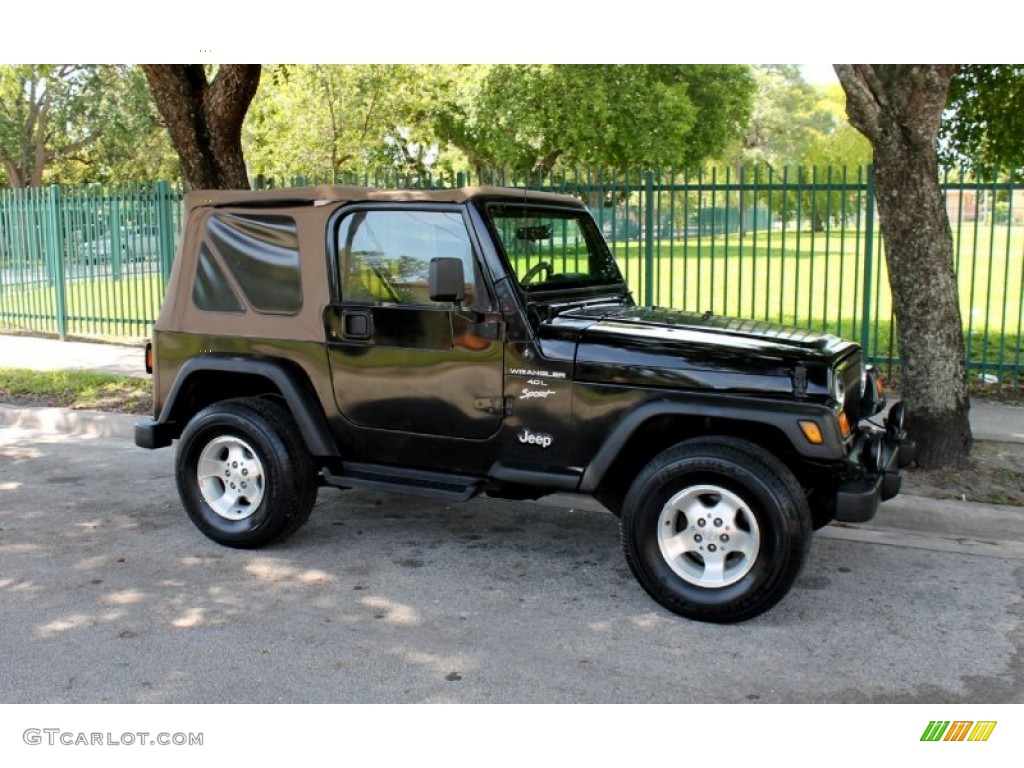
point(881, 455)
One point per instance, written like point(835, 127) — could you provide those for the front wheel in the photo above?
point(716, 529)
point(244, 475)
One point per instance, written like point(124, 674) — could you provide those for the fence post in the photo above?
point(649, 238)
point(165, 226)
point(54, 245)
point(869, 245)
point(116, 244)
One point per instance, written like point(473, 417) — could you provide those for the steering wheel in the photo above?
point(536, 269)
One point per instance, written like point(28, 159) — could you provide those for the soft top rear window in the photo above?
point(261, 251)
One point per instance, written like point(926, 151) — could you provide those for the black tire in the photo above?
point(730, 488)
point(244, 475)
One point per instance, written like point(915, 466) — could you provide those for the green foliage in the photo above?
point(68, 123)
point(799, 132)
point(784, 118)
point(984, 126)
point(130, 142)
point(537, 116)
point(796, 124)
point(840, 144)
point(312, 119)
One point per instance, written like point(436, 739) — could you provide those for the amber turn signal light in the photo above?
point(812, 432)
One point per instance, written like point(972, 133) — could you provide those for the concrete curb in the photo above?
point(70, 422)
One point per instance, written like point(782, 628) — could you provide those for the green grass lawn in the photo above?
point(100, 306)
point(817, 280)
point(75, 389)
point(819, 275)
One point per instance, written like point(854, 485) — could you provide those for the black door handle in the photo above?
point(357, 324)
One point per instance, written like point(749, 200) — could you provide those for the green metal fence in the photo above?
point(800, 247)
point(87, 260)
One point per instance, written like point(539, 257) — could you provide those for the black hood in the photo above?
point(651, 345)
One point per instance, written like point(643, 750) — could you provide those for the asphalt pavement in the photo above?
point(109, 594)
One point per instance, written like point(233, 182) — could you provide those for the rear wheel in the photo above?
point(244, 476)
point(716, 529)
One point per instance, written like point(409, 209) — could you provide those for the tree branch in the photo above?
point(230, 94)
point(865, 98)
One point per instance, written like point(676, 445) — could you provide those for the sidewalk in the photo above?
point(53, 355)
point(1003, 423)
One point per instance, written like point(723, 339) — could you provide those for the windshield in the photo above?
point(552, 249)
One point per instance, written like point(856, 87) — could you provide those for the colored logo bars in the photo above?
point(958, 730)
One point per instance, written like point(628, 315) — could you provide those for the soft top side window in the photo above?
point(384, 255)
point(261, 252)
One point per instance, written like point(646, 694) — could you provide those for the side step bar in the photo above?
point(377, 477)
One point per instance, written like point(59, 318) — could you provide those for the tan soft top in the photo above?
point(311, 208)
point(218, 198)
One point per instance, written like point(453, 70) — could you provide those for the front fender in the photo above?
point(782, 416)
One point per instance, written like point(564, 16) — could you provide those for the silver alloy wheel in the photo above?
point(708, 536)
point(230, 476)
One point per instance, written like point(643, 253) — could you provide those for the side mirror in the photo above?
point(447, 280)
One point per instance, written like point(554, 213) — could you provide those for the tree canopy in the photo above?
point(793, 124)
point(983, 127)
point(352, 117)
point(71, 123)
point(79, 123)
point(329, 119)
point(616, 115)
point(428, 117)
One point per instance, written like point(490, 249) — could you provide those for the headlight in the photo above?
point(838, 389)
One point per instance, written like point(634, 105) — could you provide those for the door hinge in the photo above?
point(489, 329)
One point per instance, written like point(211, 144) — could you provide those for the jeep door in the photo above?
point(401, 363)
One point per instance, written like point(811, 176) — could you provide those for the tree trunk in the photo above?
point(204, 119)
point(14, 177)
point(899, 109)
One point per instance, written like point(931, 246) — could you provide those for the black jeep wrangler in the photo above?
point(468, 341)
